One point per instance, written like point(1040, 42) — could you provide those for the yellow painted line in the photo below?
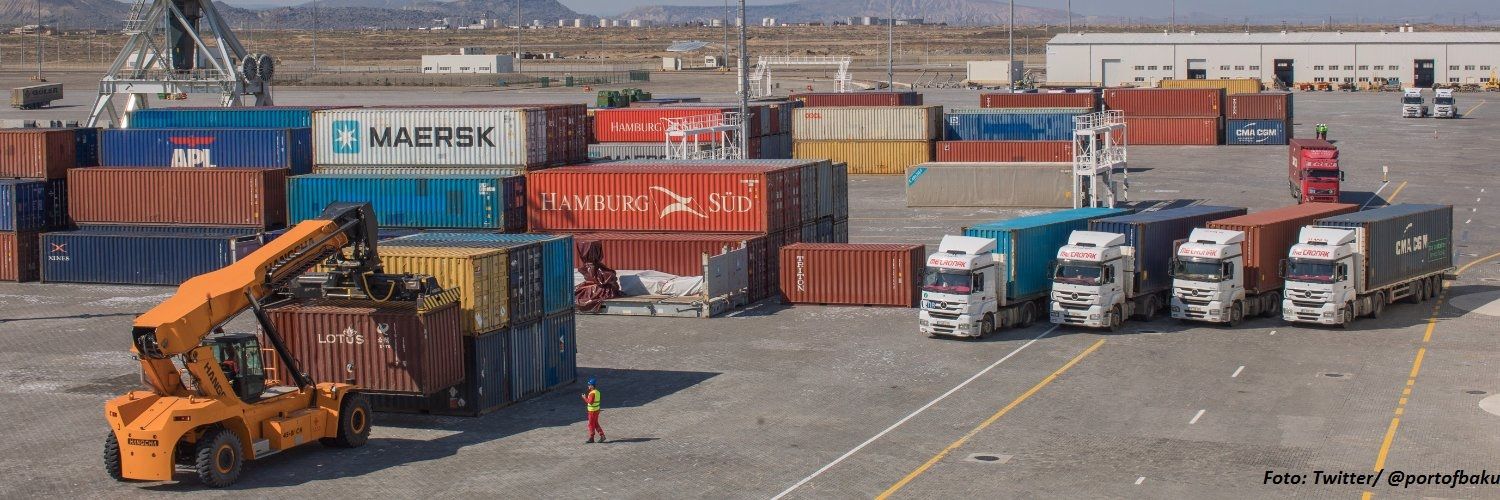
point(1411, 380)
point(1392, 197)
point(987, 422)
point(1476, 106)
point(1367, 496)
point(1480, 260)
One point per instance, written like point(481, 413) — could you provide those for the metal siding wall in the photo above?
point(448, 201)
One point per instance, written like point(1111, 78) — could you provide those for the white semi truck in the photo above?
point(960, 295)
point(1412, 105)
point(1443, 105)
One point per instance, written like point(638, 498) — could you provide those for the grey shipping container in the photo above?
point(1154, 235)
point(1401, 242)
point(543, 355)
point(1042, 185)
point(150, 257)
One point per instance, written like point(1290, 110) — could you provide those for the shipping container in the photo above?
point(825, 184)
point(57, 204)
point(1042, 185)
point(1005, 151)
point(523, 272)
point(557, 259)
point(486, 385)
point(840, 190)
point(436, 136)
point(417, 201)
point(20, 256)
point(665, 196)
point(389, 170)
point(199, 196)
point(880, 123)
point(140, 257)
point(867, 157)
point(1028, 244)
point(1400, 242)
point(1153, 236)
point(650, 124)
point(1088, 100)
point(565, 132)
point(635, 150)
point(1228, 85)
point(37, 153)
point(289, 148)
point(1262, 106)
point(840, 231)
point(1270, 234)
point(220, 117)
point(543, 355)
point(86, 145)
point(23, 205)
point(1171, 130)
point(1010, 124)
point(858, 99)
point(853, 274)
point(1165, 102)
point(1255, 132)
point(681, 254)
point(479, 274)
point(411, 347)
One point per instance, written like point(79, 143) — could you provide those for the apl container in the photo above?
point(200, 196)
point(1400, 242)
point(1010, 124)
point(289, 148)
point(37, 153)
point(864, 98)
point(1262, 106)
point(1171, 130)
point(878, 123)
point(1005, 151)
point(853, 274)
point(219, 117)
point(682, 253)
point(1153, 236)
point(523, 272)
point(1268, 236)
point(1043, 185)
point(479, 274)
point(1255, 132)
point(436, 136)
point(417, 201)
point(665, 196)
point(1087, 100)
point(126, 256)
point(867, 157)
point(557, 259)
point(23, 205)
point(543, 355)
point(1029, 244)
point(1165, 102)
point(19, 259)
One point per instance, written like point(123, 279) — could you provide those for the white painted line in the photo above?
point(1273, 332)
point(1237, 371)
point(910, 416)
point(1140, 480)
point(1196, 417)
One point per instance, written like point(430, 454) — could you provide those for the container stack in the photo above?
point(33, 193)
point(641, 132)
point(1258, 119)
point(1169, 116)
point(870, 139)
point(1228, 85)
point(867, 98)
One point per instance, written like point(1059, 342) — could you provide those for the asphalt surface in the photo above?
point(839, 402)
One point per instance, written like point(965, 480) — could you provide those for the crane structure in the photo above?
point(175, 48)
point(760, 77)
point(1098, 156)
point(215, 412)
point(704, 137)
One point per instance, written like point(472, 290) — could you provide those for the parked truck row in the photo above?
point(1414, 105)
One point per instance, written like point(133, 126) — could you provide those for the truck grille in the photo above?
point(942, 315)
point(1307, 295)
point(1308, 316)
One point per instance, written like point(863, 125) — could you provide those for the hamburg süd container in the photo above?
point(411, 347)
point(220, 117)
point(436, 136)
point(870, 123)
point(1165, 102)
point(1010, 124)
point(681, 254)
point(1171, 130)
point(650, 124)
point(557, 259)
point(1228, 85)
point(1042, 185)
point(867, 98)
point(23, 205)
point(665, 196)
point(867, 157)
point(1088, 100)
point(198, 196)
point(19, 256)
point(1030, 243)
point(870, 274)
point(417, 201)
point(141, 255)
point(1004, 151)
point(1400, 242)
point(37, 153)
point(523, 272)
point(1153, 236)
point(479, 274)
point(289, 148)
point(543, 355)
point(1255, 132)
point(1260, 106)
point(1268, 236)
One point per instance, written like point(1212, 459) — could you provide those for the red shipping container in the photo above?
point(20, 256)
point(1264, 106)
point(680, 253)
point(380, 346)
point(202, 196)
point(1165, 102)
point(1172, 130)
point(37, 153)
point(1040, 100)
point(856, 274)
point(567, 140)
point(1270, 234)
point(649, 124)
point(881, 98)
point(658, 197)
point(1005, 151)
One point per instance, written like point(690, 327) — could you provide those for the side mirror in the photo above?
point(1341, 175)
point(1172, 268)
point(1281, 269)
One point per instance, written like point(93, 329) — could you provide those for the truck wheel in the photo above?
point(1114, 320)
point(1272, 308)
point(1236, 313)
point(218, 458)
point(1149, 313)
point(1436, 288)
point(1418, 292)
point(1348, 318)
point(1028, 315)
point(1377, 305)
point(354, 423)
point(112, 457)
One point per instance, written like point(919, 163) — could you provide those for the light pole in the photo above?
point(725, 63)
point(1070, 16)
point(1009, 72)
point(518, 32)
point(890, 44)
point(744, 88)
point(315, 36)
point(39, 42)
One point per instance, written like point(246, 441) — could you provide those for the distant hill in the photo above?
point(331, 14)
point(71, 13)
point(959, 12)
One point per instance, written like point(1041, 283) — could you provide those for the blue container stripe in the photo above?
point(557, 261)
point(416, 201)
point(1250, 132)
point(988, 125)
point(1030, 243)
point(138, 258)
point(1153, 235)
point(203, 147)
point(253, 117)
point(23, 205)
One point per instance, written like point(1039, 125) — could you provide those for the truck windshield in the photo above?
point(947, 281)
point(1448, 101)
point(1411, 100)
point(1199, 270)
point(1077, 273)
point(1323, 174)
point(1309, 271)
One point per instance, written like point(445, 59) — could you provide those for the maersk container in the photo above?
point(1153, 235)
point(417, 170)
point(879, 123)
point(557, 260)
point(208, 148)
point(1255, 132)
point(1029, 244)
point(151, 257)
point(23, 205)
point(436, 136)
point(219, 117)
point(523, 271)
point(1400, 242)
point(1010, 124)
point(440, 201)
point(543, 355)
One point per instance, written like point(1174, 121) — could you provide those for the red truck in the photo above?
point(1313, 173)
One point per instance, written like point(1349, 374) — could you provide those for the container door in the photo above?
point(1197, 69)
point(1425, 73)
point(1283, 71)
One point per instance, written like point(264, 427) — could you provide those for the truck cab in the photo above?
point(1208, 282)
point(1412, 104)
point(1313, 172)
point(960, 290)
point(1091, 280)
point(1320, 273)
point(1443, 105)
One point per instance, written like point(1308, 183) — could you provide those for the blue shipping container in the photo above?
point(86, 144)
point(416, 201)
point(23, 205)
point(543, 355)
point(203, 148)
point(101, 255)
point(1030, 243)
point(244, 117)
point(1154, 234)
point(1255, 132)
point(523, 269)
point(557, 261)
point(1006, 124)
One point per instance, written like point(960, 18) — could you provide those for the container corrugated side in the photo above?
point(1261, 106)
point(101, 255)
point(880, 123)
point(867, 157)
point(854, 274)
point(208, 148)
point(1009, 124)
point(37, 153)
point(19, 256)
point(200, 196)
point(1030, 243)
point(417, 201)
point(663, 197)
point(1043, 185)
point(681, 253)
point(1089, 100)
point(1165, 102)
point(241, 117)
point(1401, 241)
point(86, 145)
point(1228, 85)
point(1171, 130)
point(419, 170)
point(479, 274)
point(1153, 236)
point(485, 387)
point(557, 259)
point(650, 124)
point(23, 205)
point(1270, 234)
point(634, 150)
point(523, 271)
point(378, 346)
point(1004, 151)
point(1255, 132)
point(875, 98)
point(543, 355)
point(437, 136)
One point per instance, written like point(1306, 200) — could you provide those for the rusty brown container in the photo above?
point(200, 196)
point(681, 253)
point(1005, 151)
point(1270, 234)
point(852, 273)
point(1040, 100)
point(1172, 130)
point(20, 256)
point(37, 153)
point(1263, 106)
point(395, 347)
point(1165, 102)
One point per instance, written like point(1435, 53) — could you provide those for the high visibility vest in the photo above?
point(594, 398)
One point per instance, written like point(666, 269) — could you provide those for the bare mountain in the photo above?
point(963, 12)
point(331, 14)
point(70, 13)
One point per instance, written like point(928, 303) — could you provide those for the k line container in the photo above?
point(398, 347)
point(682, 253)
point(667, 196)
point(133, 257)
point(867, 157)
point(1089, 100)
point(435, 136)
point(241, 117)
point(543, 355)
point(1010, 124)
point(19, 256)
point(1229, 86)
point(1255, 132)
point(1028, 245)
point(1400, 242)
point(523, 272)
point(479, 274)
point(417, 201)
point(1268, 236)
point(557, 259)
point(1005, 151)
point(879, 123)
point(1171, 130)
point(876, 98)
point(854, 274)
point(23, 205)
point(199, 196)
point(1043, 185)
point(208, 148)
point(37, 153)
point(1263, 106)
point(1153, 235)
point(1165, 102)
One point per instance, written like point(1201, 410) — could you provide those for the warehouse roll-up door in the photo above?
point(1197, 69)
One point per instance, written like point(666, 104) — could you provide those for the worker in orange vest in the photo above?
point(591, 401)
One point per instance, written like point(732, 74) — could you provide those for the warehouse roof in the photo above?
point(1326, 37)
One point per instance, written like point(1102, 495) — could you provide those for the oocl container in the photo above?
point(1270, 234)
point(1171, 130)
point(219, 117)
point(1153, 236)
point(1255, 132)
point(202, 196)
point(37, 153)
point(867, 157)
point(1263, 106)
point(1400, 241)
point(403, 347)
point(208, 148)
point(436, 136)
point(1043, 185)
point(1165, 102)
point(870, 98)
point(557, 259)
point(140, 255)
point(418, 201)
point(1010, 124)
point(877, 123)
point(19, 256)
point(664, 197)
point(1030, 243)
point(1088, 100)
point(479, 274)
point(854, 274)
point(1004, 151)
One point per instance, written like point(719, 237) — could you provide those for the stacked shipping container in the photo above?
point(641, 132)
point(33, 191)
point(1169, 116)
point(1258, 119)
point(871, 140)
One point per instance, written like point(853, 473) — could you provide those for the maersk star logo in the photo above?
point(345, 137)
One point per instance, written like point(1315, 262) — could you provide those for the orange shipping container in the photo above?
point(1270, 234)
point(855, 274)
point(1005, 151)
point(1171, 130)
point(37, 153)
point(20, 256)
point(201, 196)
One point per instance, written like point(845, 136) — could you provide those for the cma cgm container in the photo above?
point(854, 274)
point(1399, 242)
point(1153, 235)
point(1255, 132)
point(37, 153)
point(664, 197)
point(1005, 151)
point(1171, 130)
point(873, 98)
point(867, 157)
point(23, 205)
point(435, 136)
point(203, 196)
point(1030, 243)
point(289, 148)
point(411, 347)
point(650, 124)
point(240, 117)
point(141, 256)
point(1086, 100)
point(1263, 106)
point(682, 253)
point(19, 259)
point(479, 275)
point(1165, 102)
point(877, 123)
point(1268, 236)
point(557, 259)
point(417, 201)
point(989, 185)
point(523, 272)
point(1010, 124)
point(543, 355)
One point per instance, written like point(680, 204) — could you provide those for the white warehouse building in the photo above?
point(1415, 59)
point(467, 63)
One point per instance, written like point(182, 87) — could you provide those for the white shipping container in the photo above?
point(995, 72)
point(416, 170)
point(431, 136)
point(875, 123)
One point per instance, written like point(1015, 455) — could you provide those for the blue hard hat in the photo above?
point(591, 381)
